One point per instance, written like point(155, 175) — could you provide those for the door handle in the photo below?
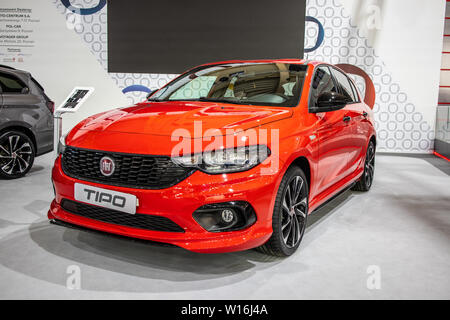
point(365, 114)
point(347, 119)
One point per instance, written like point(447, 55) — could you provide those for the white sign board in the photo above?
point(75, 99)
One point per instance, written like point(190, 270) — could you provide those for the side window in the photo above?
point(345, 85)
point(10, 84)
point(355, 92)
point(322, 82)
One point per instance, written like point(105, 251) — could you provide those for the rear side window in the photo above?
point(355, 91)
point(10, 83)
point(345, 86)
point(37, 84)
point(322, 82)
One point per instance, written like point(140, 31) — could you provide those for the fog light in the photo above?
point(226, 216)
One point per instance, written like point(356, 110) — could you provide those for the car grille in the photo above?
point(139, 221)
point(131, 170)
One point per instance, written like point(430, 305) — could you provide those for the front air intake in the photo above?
point(139, 221)
point(131, 170)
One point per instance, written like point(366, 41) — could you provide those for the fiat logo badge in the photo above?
point(107, 166)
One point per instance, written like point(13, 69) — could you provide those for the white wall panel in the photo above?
point(401, 52)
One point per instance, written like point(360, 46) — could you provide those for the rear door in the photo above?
point(44, 127)
point(23, 105)
point(355, 114)
point(333, 132)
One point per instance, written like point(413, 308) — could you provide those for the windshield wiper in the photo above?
point(156, 100)
point(221, 100)
point(204, 99)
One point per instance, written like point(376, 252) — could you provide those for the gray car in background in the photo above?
point(26, 122)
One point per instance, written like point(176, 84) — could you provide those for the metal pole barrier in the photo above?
point(57, 131)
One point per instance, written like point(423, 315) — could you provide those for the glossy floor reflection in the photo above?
point(401, 226)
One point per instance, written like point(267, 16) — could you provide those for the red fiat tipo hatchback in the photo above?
point(228, 156)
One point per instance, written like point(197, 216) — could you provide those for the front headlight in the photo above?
point(225, 160)
point(62, 144)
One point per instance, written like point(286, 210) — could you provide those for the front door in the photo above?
point(334, 131)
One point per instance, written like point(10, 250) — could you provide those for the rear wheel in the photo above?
point(366, 180)
point(16, 154)
point(289, 215)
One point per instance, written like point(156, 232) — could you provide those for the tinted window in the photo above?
point(322, 82)
point(355, 91)
point(37, 84)
point(10, 84)
point(277, 84)
point(344, 83)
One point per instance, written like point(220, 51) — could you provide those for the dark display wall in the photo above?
point(174, 35)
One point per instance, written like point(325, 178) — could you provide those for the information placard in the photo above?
point(75, 99)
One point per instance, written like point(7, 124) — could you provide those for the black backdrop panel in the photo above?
point(170, 36)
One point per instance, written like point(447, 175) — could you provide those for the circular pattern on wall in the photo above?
point(343, 42)
point(400, 126)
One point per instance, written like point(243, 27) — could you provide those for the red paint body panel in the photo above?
point(335, 151)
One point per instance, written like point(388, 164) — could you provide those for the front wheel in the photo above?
point(366, 180)
point(16, 154)
point(289, 215)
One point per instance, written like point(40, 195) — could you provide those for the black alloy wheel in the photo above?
point(16, 154)
point(366, 180)
point(290, 215)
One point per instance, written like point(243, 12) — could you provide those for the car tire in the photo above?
point(287, 232)
point(366, 180)
point(16, 154)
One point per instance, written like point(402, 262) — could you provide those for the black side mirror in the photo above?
point(150, 93)
point(330, 101)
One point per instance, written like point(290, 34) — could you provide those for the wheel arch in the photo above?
point(373, 139)
point(303, 163)
point(23, 129)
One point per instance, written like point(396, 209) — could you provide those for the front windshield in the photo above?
point(273, 84)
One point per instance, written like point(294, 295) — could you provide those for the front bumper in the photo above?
point(178, 204)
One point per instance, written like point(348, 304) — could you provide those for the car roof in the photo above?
point(9, 69)
point(294, 61)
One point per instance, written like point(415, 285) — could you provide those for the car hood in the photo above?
point(163, 118)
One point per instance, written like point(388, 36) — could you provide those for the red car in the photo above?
point(228, 156)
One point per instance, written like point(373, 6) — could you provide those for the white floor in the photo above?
point(401, 228)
